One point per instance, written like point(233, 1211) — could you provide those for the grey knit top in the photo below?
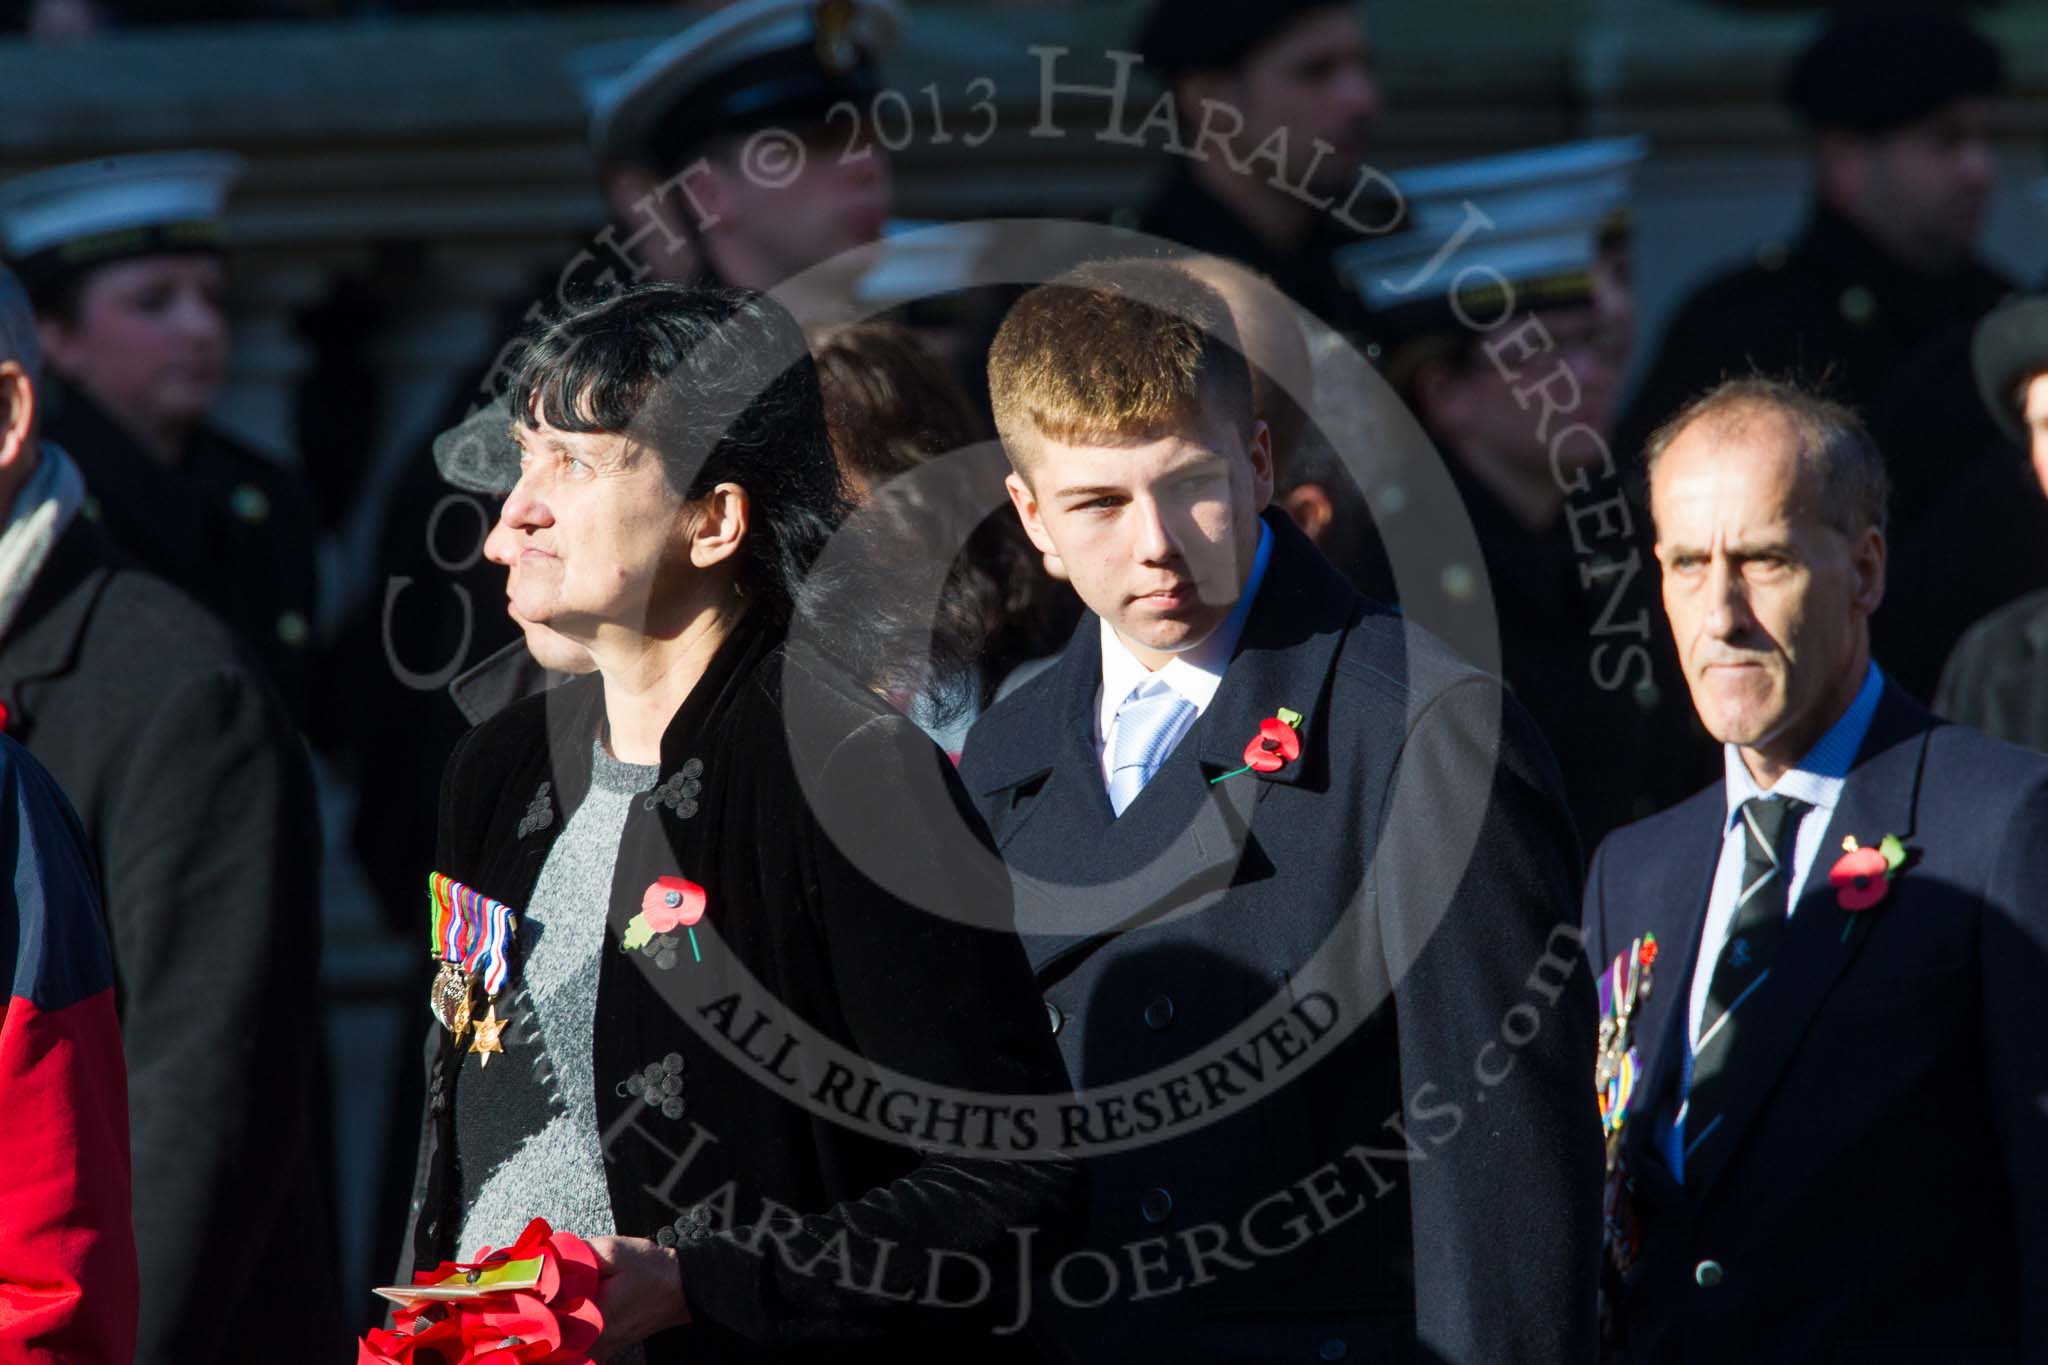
point(558, 1172)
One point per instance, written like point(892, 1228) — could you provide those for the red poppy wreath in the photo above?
point(528, 1304)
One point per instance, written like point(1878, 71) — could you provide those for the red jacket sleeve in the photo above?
point(68, 1287)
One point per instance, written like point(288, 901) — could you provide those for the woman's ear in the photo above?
point(723, 515)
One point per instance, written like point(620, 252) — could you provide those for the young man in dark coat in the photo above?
point(1831, 1139)
point(198, 801)
point(1297, 885)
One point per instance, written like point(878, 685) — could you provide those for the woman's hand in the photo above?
point(639, 1291)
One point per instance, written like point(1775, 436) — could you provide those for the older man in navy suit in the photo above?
point(1297, 884)
point(1838, 1145)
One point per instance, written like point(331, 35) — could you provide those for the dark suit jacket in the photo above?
point(1878, 1187)
point(198, 801)
point(1401, 896)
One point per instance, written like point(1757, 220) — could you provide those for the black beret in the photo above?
point(2010, 344)
point(1214, 35)
point(1879, 66)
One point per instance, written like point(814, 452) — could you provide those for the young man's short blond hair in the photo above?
point(1114, 352)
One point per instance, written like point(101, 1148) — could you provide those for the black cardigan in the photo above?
point(792, 922)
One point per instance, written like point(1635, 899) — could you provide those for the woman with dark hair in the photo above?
point(696, 976)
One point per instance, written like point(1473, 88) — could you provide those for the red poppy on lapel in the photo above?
point(1862, 876)
point(1276, 745)
point(670, 903)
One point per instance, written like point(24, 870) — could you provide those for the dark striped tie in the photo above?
point(1770, 830)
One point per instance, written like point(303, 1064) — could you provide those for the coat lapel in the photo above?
point(1079, 874)
point(1822, 939)
point(1284, 659)
point(42, 642)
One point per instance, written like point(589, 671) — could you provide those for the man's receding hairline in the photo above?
point(1740, 417)
point(1741, 420)
point(1736, 417)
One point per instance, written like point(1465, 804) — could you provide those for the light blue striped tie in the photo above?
point(1148, 724)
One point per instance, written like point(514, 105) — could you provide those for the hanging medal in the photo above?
point(451, 998)
point(471, 936)
point(1623, 987)
point(1618, 1066)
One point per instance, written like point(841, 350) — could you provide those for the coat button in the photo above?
point(1156, 1206)
point(292, 629)
point(251, 504)
point(1159, 1013)
point(1708, 1274)
point(1858, 305)
point(1053, 1016)
point(1333, 1349)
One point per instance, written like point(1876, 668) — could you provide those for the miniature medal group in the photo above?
point(470, 936)
point(1624, 986)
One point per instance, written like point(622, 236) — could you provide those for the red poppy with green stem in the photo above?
point(668, 904)
point(1277, 744)
point(1862, 876)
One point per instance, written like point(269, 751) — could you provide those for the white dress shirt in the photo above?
point(1817, 780)
point(1194, 673)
